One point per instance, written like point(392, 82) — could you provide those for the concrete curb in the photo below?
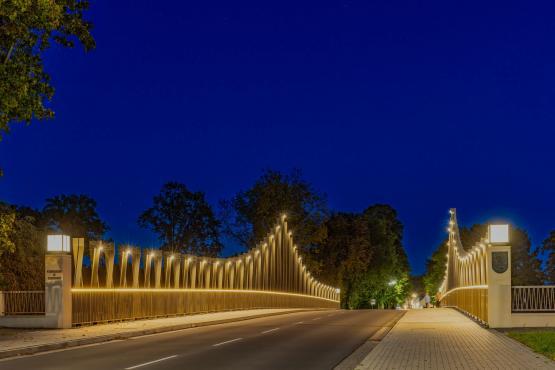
point(29, 350)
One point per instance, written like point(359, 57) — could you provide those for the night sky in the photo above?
point(422, 105)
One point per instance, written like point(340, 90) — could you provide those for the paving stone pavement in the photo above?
point(443, 338)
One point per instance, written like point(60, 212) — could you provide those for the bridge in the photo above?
point(477, 281)
point(158, 284)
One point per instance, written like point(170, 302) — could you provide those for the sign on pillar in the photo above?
point(57, 295)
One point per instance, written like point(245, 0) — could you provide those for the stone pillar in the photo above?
point(57, 293)
point(499, 285)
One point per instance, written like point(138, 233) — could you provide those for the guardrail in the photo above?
point(537, 298)
point(471, 299)
point(22, 303)
point(92, 306)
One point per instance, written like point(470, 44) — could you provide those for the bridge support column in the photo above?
point(499, 286)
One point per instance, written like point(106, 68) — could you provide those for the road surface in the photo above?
point(303, 340)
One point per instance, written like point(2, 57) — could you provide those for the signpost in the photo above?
point(372, 302)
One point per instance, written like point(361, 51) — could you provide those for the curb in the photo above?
point(106, 338)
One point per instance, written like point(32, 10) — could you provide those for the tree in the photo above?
point(183, 220)
point(435, 270)
point(22, 266)
point(548, 247)
point(251, 214)
point(74, 215)
point(364, 255)
point(7, 220)
point(27, 29)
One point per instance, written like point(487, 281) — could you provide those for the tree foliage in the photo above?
point(74, 215)
point(183, 221)
point(364, 255)
point(548, 247)
point(22, 266)
point(251, 214)
point(27, 29)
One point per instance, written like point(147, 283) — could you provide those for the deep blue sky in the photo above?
point(421, 105)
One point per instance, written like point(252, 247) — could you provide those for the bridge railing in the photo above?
point(478, 282)
point(92, 306)
point(29, 302)
point(540, 298)
point(147, 283)
point(471, 299)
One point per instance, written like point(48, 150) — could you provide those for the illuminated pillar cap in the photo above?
point(498, 234)
point(58, 243)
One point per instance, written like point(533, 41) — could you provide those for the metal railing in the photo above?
point(538, 298)
point(22, 302)
point(92, 306)
point(471, 299)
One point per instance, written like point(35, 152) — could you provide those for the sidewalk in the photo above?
point(15, 342)
point(443, 338)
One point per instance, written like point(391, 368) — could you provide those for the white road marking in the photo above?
point(300, 322)
point(150, 362)
point(227, 341)
point(317, 318)
point(268, 331)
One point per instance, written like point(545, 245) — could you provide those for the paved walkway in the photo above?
point(21, 341)
point(446, 339)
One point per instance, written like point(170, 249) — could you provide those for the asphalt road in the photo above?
point(305, 340)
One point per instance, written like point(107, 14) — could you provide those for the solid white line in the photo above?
point(300, 322)
point(268, 331)
point(228, 341)
point(150, 362)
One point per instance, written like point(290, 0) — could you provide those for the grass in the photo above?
point(540, 341)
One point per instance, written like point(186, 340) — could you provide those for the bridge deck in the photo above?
point(444, 338)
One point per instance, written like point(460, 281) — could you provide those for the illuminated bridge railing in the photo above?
point(465, 280)
point(103, 305)
point(22, 302)
point(471, 299)
point(152, 283)
point(533, 298)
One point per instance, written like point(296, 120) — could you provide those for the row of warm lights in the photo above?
point(497, 234)
point(61, 243)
